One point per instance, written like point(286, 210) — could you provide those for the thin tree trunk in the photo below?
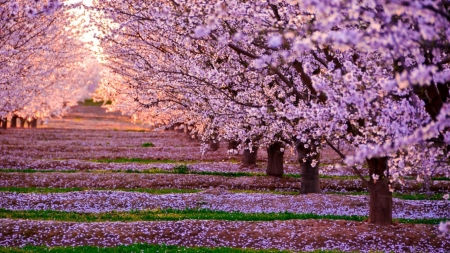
point(22, 122)
point(33, 123)
point(380, 203)
point(427, 185)
point(214, 144)
point(233, 145)
point(4, 122)
point(14, 121)
point(310, 182)
point(249, 158)
point(275, 159)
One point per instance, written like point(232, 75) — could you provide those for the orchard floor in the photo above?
point(86, 179)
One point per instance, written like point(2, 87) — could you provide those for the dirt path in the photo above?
point(89, 133)
point(217, 200)
point(186, 181)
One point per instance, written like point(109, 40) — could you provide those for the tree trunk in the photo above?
point(275, 160)
point(4, 122)
point(214, 144)
point(233, 145)
point(310, 182)
point(249, 158)
point(33, 123)
point(380, 203)
point(14, 121)
point(22, 122)
point(427, 185)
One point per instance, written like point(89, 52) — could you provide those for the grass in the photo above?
point(181, 169)
point(142, 248)
point(147, 145)
point(176, 215)
point(90, 102)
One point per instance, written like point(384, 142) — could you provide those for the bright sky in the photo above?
point(84, 16)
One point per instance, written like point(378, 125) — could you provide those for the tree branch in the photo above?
point(365, 183)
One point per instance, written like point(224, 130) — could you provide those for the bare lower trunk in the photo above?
point(214, 144)
point(233, 145)
point(14, 121)
point(427, 185)
point(249, 157)
point(22, 122)
point(33, 123)
point(275, 159)
point(310, 182)
point(4, 123)
point(380, 203)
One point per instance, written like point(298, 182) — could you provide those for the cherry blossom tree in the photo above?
point(40, 54)
point(295, 74)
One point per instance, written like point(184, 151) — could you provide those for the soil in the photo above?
point(291, 234)
point(72, 142)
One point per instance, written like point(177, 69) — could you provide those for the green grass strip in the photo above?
point(90, 102)
point(142, 248)
point(176, 215)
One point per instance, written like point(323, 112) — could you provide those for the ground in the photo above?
point(93, 178)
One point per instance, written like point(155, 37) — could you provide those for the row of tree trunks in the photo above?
point(380, 203)
point(4, 122)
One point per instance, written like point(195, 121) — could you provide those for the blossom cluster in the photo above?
point(300, 74)
point(44, 67)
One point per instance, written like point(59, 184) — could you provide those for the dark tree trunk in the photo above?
point(275, 160)
point(4, 122)
point(22, 122)
point(14, 121)
point(33, 123)
point(214, 144)
point(249, 158)
point(233, 145)
point(380, 203)
point(310, 182)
